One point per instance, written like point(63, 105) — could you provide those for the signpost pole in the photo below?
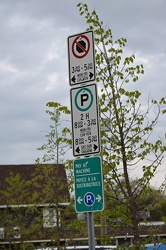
point(91, 233)
point(85, 128)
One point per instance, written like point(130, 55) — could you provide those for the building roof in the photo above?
point(25, 184)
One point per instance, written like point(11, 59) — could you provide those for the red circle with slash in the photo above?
point(80, 46)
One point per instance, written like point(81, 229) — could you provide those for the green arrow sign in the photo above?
point(88, 183)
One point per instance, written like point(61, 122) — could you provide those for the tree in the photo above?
point(57, 144)
point(30, 213)
point(129, 143)
point(16, 216)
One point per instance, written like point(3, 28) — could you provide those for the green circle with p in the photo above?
point(83, 99)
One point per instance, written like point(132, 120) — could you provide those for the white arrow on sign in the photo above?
point(98, 198)
point(79, 200)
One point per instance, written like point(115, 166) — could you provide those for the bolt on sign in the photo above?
point(88, 182)
point(81, 57)
point(85, 120)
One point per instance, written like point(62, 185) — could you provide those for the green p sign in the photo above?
point(85, 120)
point(88, 182)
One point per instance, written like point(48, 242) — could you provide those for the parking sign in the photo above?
point(85, 120)
point(88, 181)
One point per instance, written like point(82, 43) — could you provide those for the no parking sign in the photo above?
point(81, 58)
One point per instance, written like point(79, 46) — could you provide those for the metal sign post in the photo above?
point(88, 182)
point(85, 128)
point(91, 233)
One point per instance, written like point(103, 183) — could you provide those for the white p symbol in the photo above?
point(89, 199)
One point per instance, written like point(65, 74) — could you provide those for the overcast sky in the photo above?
point(34, 61)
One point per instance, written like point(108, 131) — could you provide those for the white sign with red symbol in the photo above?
point(81, 56)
